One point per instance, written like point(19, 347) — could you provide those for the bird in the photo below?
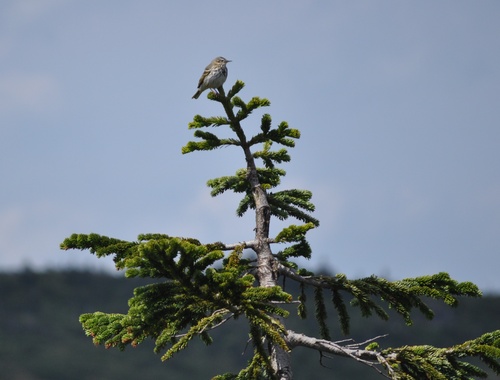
point(214, 76)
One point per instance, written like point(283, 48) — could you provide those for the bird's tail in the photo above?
point(195, 96)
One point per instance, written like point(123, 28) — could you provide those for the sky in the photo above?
point(397, 103)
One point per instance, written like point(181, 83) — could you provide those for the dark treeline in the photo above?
point(41, 338)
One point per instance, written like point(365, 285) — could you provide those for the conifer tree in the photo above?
point(197, 287)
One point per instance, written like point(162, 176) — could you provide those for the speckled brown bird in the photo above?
point(213, 77)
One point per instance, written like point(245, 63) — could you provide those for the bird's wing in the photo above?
point(203, 76)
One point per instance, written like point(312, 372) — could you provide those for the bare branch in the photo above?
point(284, 302)
point(367, 357)
point(290, 273)
point(365, 342)
point(246, 244)
point(294, 339)
point(220, 311)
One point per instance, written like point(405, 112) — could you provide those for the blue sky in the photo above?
point(397, 102)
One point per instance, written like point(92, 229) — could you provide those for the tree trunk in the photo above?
point(267, 268)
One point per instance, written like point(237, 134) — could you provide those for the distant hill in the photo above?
point(41, 338)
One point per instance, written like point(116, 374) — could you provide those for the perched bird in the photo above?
point(214, 76)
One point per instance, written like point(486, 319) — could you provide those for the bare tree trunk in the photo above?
point(280, 360)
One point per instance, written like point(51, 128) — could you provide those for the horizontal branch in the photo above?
point(353, 351)
point(290, 273)
point(246, 244)
point(294, 339)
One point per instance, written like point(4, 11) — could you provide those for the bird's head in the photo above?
point(221, 60)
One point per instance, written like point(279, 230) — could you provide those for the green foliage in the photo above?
point(214, 121)
point(372, 293)
point(288, 203)
point(236, 183)
point(341, 308)
point(301, 309)
point(374, 346)
point(99, 245)
point(193, 298)
point(237, 87)
point(258, 369)
point(301, 249)
point(321, 314)
point(41, 307)
point(269, 157)
point(284, 204)
point(427, 362)
point(247, 108)
point(283, 134)
point(293, 233)
point(112, 330)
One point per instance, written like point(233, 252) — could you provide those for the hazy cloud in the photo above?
point(28, 93)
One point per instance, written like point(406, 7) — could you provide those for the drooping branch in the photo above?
point(370, 293)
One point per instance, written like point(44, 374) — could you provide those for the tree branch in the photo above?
point(290, 273)
point(220, 311)
point(246, 244)
point(353, 351)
